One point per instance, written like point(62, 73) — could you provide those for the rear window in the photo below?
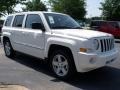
point(1, 22)
point(18, 21)
point(8, 20)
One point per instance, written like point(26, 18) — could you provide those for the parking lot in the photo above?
point(35, 75)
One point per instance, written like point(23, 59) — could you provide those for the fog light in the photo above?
point(92, 61)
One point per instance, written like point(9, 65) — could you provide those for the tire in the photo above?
point(62, 64)
point(9, 52)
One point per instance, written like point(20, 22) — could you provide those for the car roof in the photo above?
point(35, 12)
point(103, 21)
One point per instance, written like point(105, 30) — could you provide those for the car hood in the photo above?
point(81, 33)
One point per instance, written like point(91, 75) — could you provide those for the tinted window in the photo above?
point(1, 22)
point(97, 23)
point(8, 20)
point(18, 21)
point(114, 24)
point(58, 21)
point(32, 18)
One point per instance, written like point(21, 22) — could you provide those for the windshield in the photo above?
point(58, 21)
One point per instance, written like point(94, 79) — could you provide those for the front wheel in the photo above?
point(62, 64)
point(9, 52)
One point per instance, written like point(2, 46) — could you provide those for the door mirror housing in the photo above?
point(38, 26)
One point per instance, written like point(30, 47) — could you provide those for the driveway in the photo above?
point(36, 75)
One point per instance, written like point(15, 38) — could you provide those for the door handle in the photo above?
point(24, 32)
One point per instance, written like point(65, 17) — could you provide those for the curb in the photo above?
point(13, 87)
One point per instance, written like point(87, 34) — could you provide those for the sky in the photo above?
point(92, 8)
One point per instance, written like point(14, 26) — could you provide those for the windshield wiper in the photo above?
point(77, 28)
point(61, 27)
point(65, 27)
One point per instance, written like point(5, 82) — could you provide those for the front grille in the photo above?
point(106, 44)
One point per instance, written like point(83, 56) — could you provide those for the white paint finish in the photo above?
point(37, 43)
point(34, 42)
point(99, 60)
point(81, 33)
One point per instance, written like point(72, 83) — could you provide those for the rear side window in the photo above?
point(32, 18)
point(8, 20)
point(18, 21)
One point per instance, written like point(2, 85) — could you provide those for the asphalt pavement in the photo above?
point(36, 75)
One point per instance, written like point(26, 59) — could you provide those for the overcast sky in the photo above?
point(93, 8)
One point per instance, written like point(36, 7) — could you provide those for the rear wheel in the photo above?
point(9, 52)
point(62, 64)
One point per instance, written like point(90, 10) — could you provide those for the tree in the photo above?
point(35, 5)
point(75, 8)
point(7, 6)
point(111, 10)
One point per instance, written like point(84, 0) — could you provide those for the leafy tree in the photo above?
point(35, 5)
point(111, 9)
point(7, 6)
point(75, 8)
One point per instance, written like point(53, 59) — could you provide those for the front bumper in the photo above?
point(88, 62)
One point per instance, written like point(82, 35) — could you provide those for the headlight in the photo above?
point(96, 44)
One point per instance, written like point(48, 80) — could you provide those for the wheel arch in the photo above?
point(5, 38)
point(54, 47)
point(61, 47)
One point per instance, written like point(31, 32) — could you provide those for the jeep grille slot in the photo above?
point(106, 44)
point(101, 45)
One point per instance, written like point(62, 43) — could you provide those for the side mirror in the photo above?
point(38, 26)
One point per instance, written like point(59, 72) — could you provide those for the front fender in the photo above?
point(59, 41)
point(69, 43)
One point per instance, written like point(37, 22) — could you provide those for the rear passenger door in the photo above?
point(17, 32)
point(34, 39)
point(7, 27)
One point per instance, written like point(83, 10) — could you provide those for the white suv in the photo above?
point(59, 39)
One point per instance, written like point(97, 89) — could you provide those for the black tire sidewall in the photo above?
point(11, 49)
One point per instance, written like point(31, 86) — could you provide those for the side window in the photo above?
point(8, 20)
point(32, 18)
point(18, 21)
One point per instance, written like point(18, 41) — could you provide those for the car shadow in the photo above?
point(107, 78)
